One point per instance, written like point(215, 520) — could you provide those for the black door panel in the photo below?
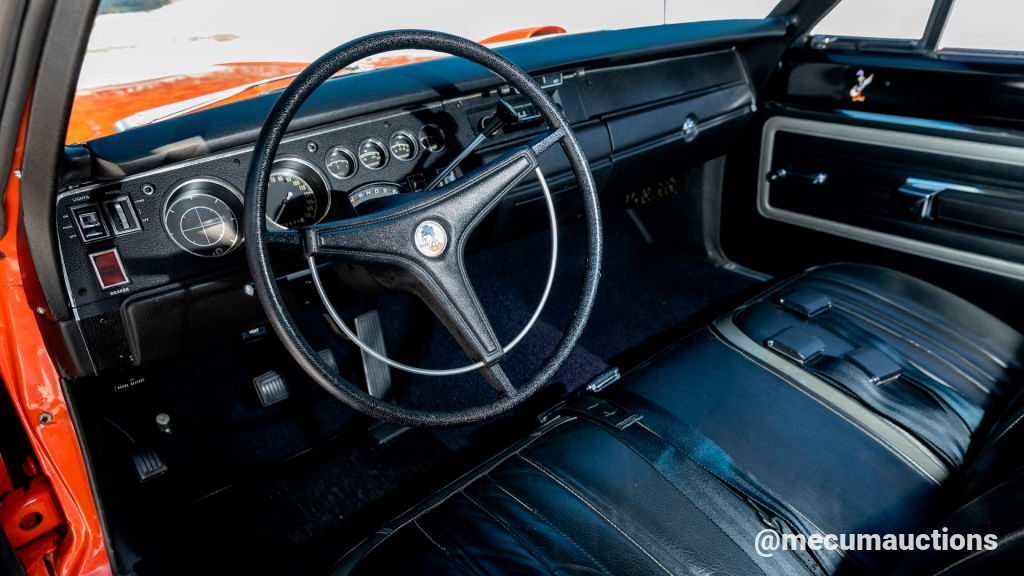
point(925, 174)
point(977, 92)
point(892, 187)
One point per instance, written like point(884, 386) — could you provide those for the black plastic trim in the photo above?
point(52, 95)
point(22, 28)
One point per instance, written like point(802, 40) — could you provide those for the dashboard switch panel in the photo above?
point(109, 269)
point(121, 214)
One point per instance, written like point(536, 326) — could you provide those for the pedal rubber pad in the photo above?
point(378, 374)
point(270, 387)
point(328, 357)
point(148, 464)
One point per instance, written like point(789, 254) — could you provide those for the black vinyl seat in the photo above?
point(850, 399)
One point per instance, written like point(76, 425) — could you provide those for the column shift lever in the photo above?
point(504, 114)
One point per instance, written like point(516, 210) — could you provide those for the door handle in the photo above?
point(916, 197)
point(817, 179)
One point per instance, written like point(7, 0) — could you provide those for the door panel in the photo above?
point(941, 198)
point(922, 171)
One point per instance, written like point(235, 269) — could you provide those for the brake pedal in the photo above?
point(148, 464)
point(271, 388)
point(378, 374)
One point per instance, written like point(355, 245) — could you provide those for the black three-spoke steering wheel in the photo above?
point(417, 247)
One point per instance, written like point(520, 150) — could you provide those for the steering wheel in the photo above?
point(417, 247)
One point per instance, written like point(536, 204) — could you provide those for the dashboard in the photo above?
point(184, 220)
point(151, 257)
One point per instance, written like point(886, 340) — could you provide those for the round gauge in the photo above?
point(340, 163)
point(201, 216)
point(432, 138)
point(403, 146)
point(297, 194)
point(372, 154)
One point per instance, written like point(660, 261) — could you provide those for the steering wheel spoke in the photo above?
point(540, 144)
point(286, 238)
point(496, 377)
point(444, 287)
point(451, 212)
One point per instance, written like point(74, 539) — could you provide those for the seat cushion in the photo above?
point(843, 475)
point(849, 400)
point(929, 362)
point(579, 497)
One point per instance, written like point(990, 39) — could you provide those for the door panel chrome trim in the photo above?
point(892, 139)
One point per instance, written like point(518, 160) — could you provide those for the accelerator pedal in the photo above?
point(378, 374)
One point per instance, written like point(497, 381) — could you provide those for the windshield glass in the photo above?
point(149, 60)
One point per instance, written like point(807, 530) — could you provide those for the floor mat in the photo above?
point(293, 518)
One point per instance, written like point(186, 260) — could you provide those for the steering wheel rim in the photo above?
point(258, 238)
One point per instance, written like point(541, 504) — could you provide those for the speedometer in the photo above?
point(297, 194)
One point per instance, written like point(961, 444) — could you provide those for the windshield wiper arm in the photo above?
point(175, 109)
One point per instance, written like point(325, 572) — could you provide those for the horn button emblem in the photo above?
point(430, 238)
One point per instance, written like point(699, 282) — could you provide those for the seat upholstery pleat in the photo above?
point(594, 493)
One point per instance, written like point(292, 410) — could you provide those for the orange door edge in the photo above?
point(77, 547)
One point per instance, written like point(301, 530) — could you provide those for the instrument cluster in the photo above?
point(179, 221)
point(203, 215)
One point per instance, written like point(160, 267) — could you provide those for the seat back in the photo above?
point(997, 455)
point(997, 511)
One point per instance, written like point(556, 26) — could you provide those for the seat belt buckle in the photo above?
point(603, 411)
point(796, 344)
point(806, 302)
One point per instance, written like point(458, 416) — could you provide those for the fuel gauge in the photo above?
point(403, 146)
point(372, 154)
point(340, 163)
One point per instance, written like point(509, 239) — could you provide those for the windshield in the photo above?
point(149, 60)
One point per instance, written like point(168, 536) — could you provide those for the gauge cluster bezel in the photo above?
point(382, 150)
point(352, 162)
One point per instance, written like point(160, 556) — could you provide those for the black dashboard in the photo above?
point(149, 244)
point(184, 220)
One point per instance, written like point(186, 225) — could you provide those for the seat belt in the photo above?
point(692, 445)
point(970, 414)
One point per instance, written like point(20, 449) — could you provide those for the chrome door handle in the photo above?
point(916, 197)
point(818, 179)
